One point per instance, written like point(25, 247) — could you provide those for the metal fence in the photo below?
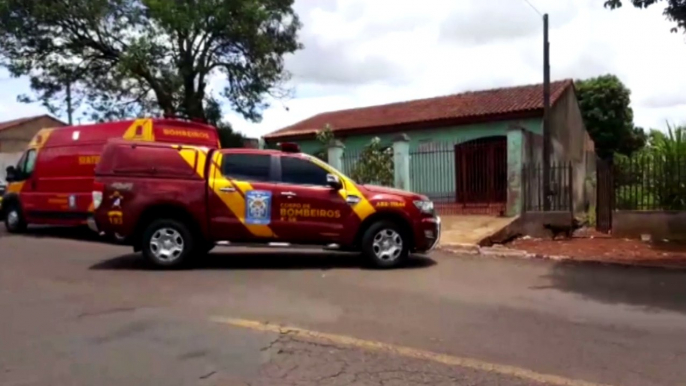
point(349, 161)
point(462, 178)
point(649, 182)
point(560, 190)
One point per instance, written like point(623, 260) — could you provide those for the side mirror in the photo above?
point(333, 181)
point(10, 173)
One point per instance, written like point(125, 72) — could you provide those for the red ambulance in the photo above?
point(52, 182)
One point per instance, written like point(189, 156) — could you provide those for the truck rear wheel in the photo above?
point(168, 243)
point(385, 245)
point(14, 218)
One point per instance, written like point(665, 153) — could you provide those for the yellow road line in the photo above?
point(408, 352)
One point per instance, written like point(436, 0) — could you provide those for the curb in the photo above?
point(504, 252)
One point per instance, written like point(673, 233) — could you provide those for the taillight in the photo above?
point(98, 188)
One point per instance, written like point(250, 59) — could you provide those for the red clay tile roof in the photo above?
point(16, 122)
point(457, 107)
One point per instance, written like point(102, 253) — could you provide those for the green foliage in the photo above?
point(605, 106)
point(668, 146)
point(227, 137)
point(142, 57)
point(654, 178)
point(375, 165)
point(675, 10)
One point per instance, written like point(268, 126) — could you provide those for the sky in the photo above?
point(361, 53)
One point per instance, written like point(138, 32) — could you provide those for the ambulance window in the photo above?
point(302, 172)
point(247, 167)
point(21, 163)
point(30, 162)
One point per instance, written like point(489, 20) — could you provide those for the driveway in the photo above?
point(82, 313)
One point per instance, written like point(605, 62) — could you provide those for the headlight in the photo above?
point(425, 206)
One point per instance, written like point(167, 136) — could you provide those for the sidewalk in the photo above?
point(591, 246)
point(605, 249)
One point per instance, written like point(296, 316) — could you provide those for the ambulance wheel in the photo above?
point(167, 243)
point(385, 245)
point(14, 219)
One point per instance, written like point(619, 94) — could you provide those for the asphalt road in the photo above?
point(77, 312)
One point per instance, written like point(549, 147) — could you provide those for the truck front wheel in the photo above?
point(167, 243)
point(14, 218)
point(385, 245)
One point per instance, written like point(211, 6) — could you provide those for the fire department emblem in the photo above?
point(258, 207)
point(116, 198)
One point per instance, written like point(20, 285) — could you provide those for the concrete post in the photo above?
point(260, 143)
point(515, 160)
point(401, 162)
point(335, 154)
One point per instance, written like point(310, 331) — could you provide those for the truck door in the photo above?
point(241, 196)
point(23, 183)
point(309, 211)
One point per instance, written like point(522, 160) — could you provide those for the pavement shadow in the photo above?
point(650, 288)
point(276, 260)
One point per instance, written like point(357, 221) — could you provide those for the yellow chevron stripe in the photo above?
point(146, 132)
point(363, 209)
point(235, 201)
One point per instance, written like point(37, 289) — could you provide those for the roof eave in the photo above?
point(414, 126)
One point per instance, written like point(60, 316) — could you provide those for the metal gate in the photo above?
point(481, 171)
point(605, 195)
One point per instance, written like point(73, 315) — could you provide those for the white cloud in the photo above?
point(362, 52)
point(436, 47)
point(9, 107)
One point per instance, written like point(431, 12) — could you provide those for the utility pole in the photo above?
point(69, 101)
point(546, 116)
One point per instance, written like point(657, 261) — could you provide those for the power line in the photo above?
point(533, 7)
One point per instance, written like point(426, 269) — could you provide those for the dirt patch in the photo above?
point(594, 246)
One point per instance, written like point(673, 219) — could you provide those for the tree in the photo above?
point(675, 10)
point(375, 165)
point(135, 57)
point(227, 137)
point(605, 107)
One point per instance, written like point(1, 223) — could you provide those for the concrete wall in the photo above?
point(17, 138)
point(670, 225)
point(568, 132)
point(571, 143)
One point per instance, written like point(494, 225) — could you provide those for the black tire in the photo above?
point(178, 235)
point(390, 231)
point(12, 225)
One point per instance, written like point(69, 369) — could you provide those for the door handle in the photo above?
point(227, 189)
point(288, 194)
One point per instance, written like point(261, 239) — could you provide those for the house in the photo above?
point(251, 143)
point(466, 148)
point(16, 134)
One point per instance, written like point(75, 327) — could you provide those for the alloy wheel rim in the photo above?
point(13, 218)
point(387, 245)
point(167, 245)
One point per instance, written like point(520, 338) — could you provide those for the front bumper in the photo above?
point(427, 233)
point(438, 234)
